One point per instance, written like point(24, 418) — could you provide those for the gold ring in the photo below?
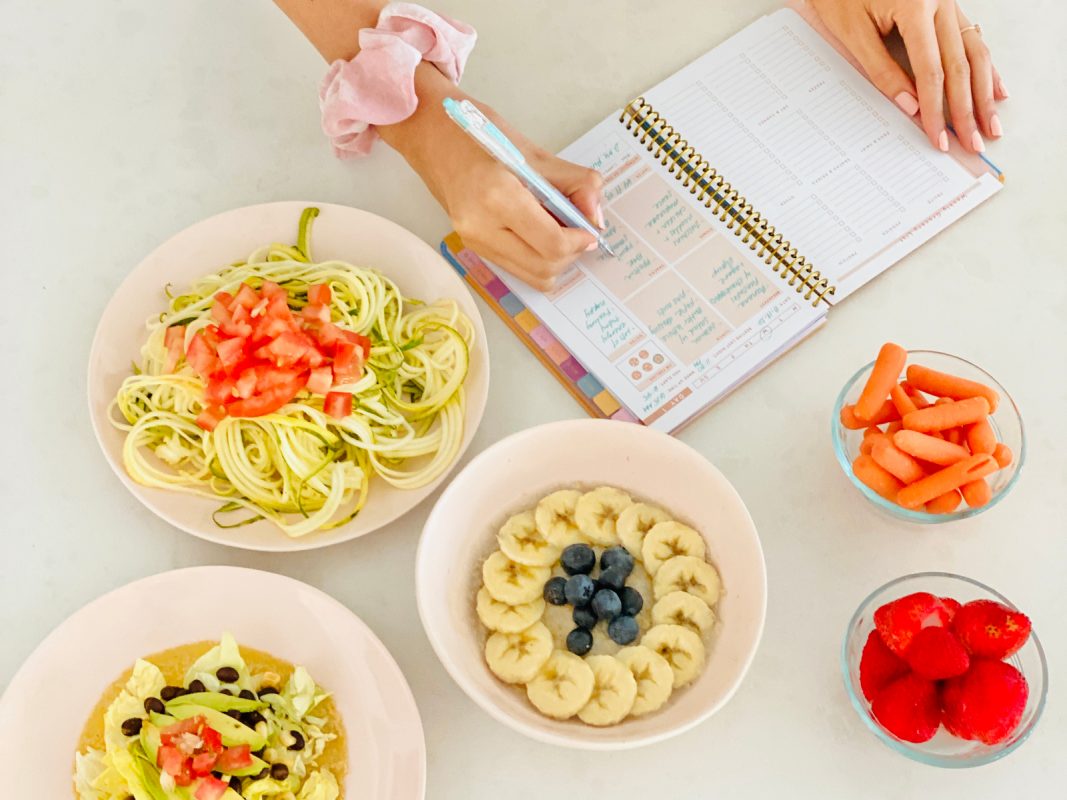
point(976, 28)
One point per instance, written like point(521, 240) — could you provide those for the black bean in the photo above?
point(252, 718)
point(259, 753)
point(227, 674)
point(279, 772)
point(154, 704)
point(267, 690)
point(261, 774)
point(132, 726)
point(197, 686)
point(234, 713)
point(247, 694)
point(235, 783)
point(299, 743)
point(168, 693)
point(226, 692)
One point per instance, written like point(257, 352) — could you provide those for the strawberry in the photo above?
point(879, 666)
point(901, 619)
point(935, 654)
point(986, 703)
point(991, 630)
point(952, 606)
point(909, 708)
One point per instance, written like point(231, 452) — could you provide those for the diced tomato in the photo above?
point(230, 352)
point(220, 390)
point(234, 758)
point(174, 341)
point(246, 297)
point(270, 289)
point(220, 312)
point(203, 763)
point(211, 788)
point(239, 314)
point(212, 739)
point(246, 383)
point(269, 400)
point(359, 340)
point(201, 355)
point(347, 361)
point(285, 350)
point(320, 293)
point(173, 732)
point(279, 307)
point(224, 299)
point(320, 380)
point(315, 313)
point(338, 404)
point(170, 759)
point(326, 335)
point(267, 327)
point(210, 417)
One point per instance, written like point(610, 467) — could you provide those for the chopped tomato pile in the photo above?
point(259, 353)
point(189, 750)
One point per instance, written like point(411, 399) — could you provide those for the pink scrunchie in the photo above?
point(377, 87)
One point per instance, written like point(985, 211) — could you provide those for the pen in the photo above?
point(465, 114)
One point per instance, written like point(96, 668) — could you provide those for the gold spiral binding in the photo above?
point(702, 180)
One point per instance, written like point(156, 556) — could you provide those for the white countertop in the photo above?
point(125, 122)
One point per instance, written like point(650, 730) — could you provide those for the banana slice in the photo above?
point(637, 520)
point(517, 657)
point(562, 686)
point(511, 582)
point(653, 675)
point(555, 518)
point(614, 692)
point(682, 649)
point(497, 616)
point(597, 512)
point(682, 608)
point(522, 542)
point(667, 540)
point(687, 574)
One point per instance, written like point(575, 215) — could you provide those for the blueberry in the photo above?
point(617, 557)
point(584, 618)
point(606, 604)
point(579, 590)
point(578, 559)
point(632, 601)
point(579, 641)
point(554, 592)
point(612, 578)
point(623, 630)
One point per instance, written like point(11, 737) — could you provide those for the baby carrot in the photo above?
point(883, 377)
point(977, 493)
point(876, 478)
point(1002, 453)
point(916, 396)
point(897, 463)
point(929, 448)
point(944, 503)
point(944, 385)
point(894, 426)
point(956, 436)
point(947, 415)
point(980, 437)
point(904, 404)
point(850, 420)
point(868, 442)
point(952, 477)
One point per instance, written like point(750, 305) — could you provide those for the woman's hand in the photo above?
point(491, 209)
point(947, 55)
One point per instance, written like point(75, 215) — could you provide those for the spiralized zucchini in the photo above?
point(298, 467)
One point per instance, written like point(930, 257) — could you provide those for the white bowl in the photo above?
point(513, 475)
point(339, 232)
point(49, 700)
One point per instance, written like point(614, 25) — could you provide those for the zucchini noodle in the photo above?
point(299, 467)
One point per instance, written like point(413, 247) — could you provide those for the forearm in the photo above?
point(333, 26)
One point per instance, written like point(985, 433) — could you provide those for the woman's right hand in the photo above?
point(492, 211)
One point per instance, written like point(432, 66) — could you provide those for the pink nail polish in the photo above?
point(1004, 90)
point(976, 142)
point(942, 142)
point(994, 126)
point(600, 217)
point(589, 248)
point(908, 104)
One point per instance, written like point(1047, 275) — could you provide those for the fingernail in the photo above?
point(600, 217)
point(942, 142)
point(908, 104)
point(994, 126)
point(1004, 90)
point(976, 142)
point(589, 248)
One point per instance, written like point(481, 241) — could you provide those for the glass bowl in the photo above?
point(944, 750)
point(1006, 421)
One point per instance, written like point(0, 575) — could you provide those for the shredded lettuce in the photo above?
point(321, 785)
point(226, 654)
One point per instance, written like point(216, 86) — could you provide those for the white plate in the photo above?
point(47, 703)
point(513, 475)
point(339, 232)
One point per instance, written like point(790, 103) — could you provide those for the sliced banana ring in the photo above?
point(562, 686)
point(687, 574)
point(597, 513)
point(497, 616)
point(653, 675)
point(554, 516)
point(522, 542)
point(614, 692)
point(635, 522)
point(681, 647)
point(517, 657)
point(682, 608)
point(511, 582)
point(667, 540)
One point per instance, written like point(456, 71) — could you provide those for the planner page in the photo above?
point(834, 165)
point(683, 313)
